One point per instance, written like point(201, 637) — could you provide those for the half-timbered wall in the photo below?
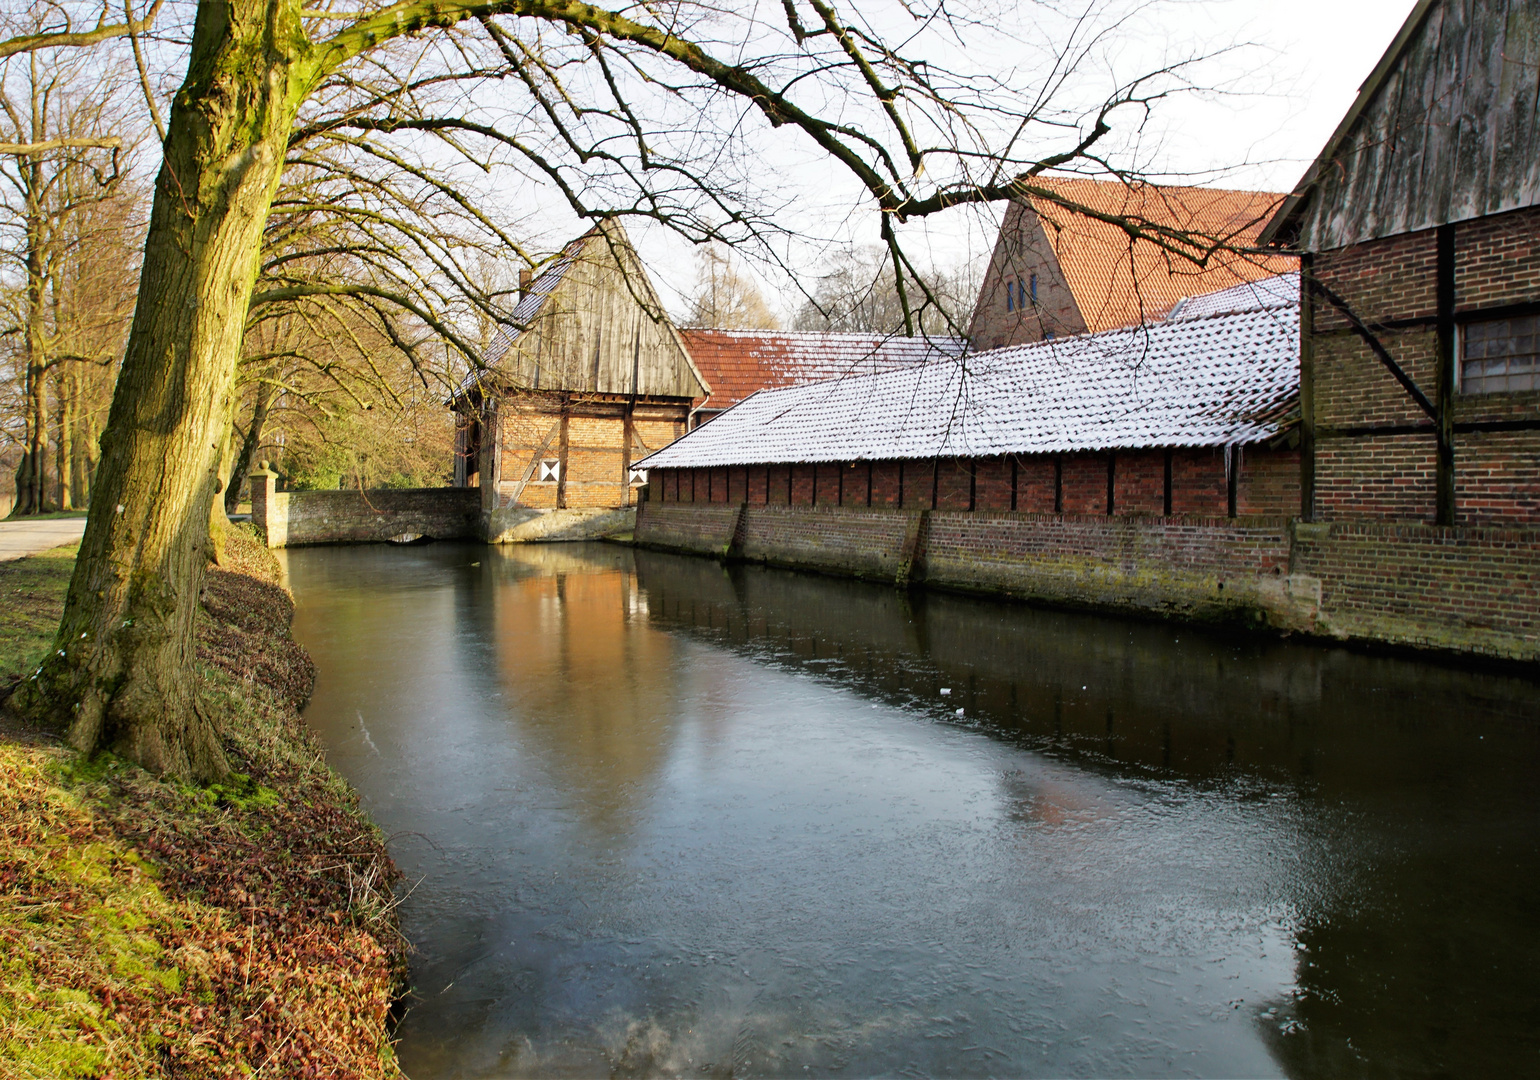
point(588, 445)
point(1375, 450)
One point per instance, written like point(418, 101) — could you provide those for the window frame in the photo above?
point(1461, 329)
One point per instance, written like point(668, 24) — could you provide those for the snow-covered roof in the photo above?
point(1205, 381)
point(739, 362)
point(1273, 292)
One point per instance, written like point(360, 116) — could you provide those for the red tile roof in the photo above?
point(1117, 282)
point(739, 362)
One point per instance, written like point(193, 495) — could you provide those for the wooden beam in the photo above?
point(1444, 417)
point(561, 474)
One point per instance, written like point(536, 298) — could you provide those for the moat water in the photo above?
point(662, 817)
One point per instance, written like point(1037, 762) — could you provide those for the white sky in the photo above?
point(1311, 57)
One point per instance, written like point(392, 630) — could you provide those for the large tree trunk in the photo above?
point(81, 462)
point(122, 674)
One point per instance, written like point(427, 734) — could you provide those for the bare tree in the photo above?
point(725, 297)
point(859, 292)
point(60, 176)
point(635, 112)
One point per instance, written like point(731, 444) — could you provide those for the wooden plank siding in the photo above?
point(1446, 131)
point(600, 329)
point(594, 379)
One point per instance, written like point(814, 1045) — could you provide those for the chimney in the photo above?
point(525, 278)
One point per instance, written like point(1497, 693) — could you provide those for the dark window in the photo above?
point(1048, 335)
point(1034, 287)
point(1500, 355)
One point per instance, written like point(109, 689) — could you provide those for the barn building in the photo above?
point(1419, 225)
point(590, 378)
point(1057, 273)
point(1187, 417)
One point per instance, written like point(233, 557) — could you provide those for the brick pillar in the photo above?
point(263, 489)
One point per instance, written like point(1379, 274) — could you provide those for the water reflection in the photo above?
point(672, 818)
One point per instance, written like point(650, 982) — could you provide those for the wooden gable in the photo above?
point(1446, 129)
point(592, 322)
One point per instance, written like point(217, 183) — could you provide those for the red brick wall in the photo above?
point(1268, 483)
point(884, 483)
point(1085, 483)
point(1472, 590)
point(994, 484)
point(1383, 477)
point(699, 528)
point(1140, 482)
point(1035, 484)
point(1466, 589)
point(1198, 483)
point(857, 541)
point(1197, 567)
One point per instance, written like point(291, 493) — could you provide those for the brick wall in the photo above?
point(1207, 568)
point(850, 540)
point(1023, 251)
point(294, 518)
point(1471, 590)
point(1268, 483)
point(699, 528)
point(1391, 284)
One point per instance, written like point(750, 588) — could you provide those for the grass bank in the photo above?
point(149, 928)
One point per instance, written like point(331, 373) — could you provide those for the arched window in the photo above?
point(1010, 295)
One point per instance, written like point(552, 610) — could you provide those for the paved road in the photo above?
point(19, 538)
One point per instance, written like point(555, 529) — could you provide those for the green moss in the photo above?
point(88, 914)
point(32, 596)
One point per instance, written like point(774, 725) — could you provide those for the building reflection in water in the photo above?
point(729, 808)
point(1412, 784)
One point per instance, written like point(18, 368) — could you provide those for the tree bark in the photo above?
point(66, 446)
point(32, 476)
point(122, 672)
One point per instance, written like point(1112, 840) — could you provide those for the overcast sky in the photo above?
point(1311, 59)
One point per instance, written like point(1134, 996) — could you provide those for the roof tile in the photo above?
point(739, 362)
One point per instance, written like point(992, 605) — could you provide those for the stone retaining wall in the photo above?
point(295, 518)
point(1464, 590)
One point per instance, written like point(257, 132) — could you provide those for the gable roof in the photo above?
point(1217, 380)
point(1118, 282)
point(591, 322)
point(739, 362)
point(1446, 128)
